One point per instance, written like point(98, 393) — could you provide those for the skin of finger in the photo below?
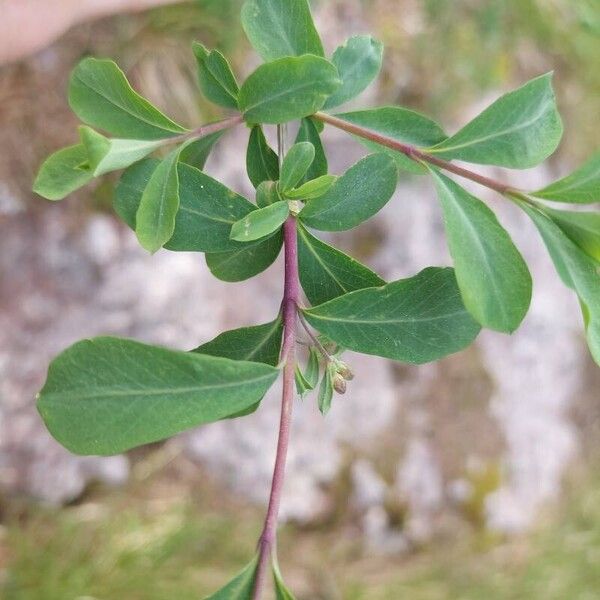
point(28, 26)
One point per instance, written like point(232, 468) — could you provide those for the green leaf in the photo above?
point(400, 124)
point(312, 189)
point(261, 223)
point(281, 591)
point(107, 155)
point(493, 278)
point(295, 165)
point(325, 395)
point(302, 385)
point(278, 28)
point(287, 89)
point(247, 261)
point(156, 214)
point(577, 270)
point(197, 152)
point(308, 132)
point(580, 187)
point(267, 193)
point(326, 273)
point(215, 76)
point(261, 343)
point(62, 173)
point(312, 369)
point(241, 588)
point(582, 227)
point(107, 395)
point(262, 163)
point(355, 197)
point(307, 381)
point(101, 96)
point(206, 213)
point(415, 320)
point(519, 130)
point(358, 62)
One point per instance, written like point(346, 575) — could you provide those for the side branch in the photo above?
point(205, 130)
point(415, 154)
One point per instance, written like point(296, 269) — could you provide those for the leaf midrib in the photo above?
point(479, 243)
point(175, 129)
point(354, 321)
point(63, 396)
point(287, 92)
point(483, 139)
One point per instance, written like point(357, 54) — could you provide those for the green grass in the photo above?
point(163, 541)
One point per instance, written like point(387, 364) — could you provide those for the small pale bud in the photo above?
point(345, 371)
point(339, 384)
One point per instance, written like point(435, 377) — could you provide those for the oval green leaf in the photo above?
point(415, 320)
point(312, 189)
point(101, 96)
point(519, 130)
point(295, 165)
point(582, 227)
point(261, 343)
point(278, 28)
point(287, 89)
point(493, 278)
point(106, 155)
point(326, 273)
point(207, 208)
point(260, 223)
point(197, 152)
point(156, 214)
point(62, 173)
point(108, 395)
point(262, 163)
point(308, 132)
point(267, 193)
point(576, 269)
point(358, 62)
point(215, 76)
point(580, 187)
point(247, 261)
point(356, 196)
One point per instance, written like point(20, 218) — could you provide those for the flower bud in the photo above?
point(339, 384)
point(345, 371)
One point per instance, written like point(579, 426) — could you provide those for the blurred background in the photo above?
point(476, 477)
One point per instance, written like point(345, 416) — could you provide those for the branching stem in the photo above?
point(314, 339)
point(416, 154)
point(205, 130)
point(268, 539)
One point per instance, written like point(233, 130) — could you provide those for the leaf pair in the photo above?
point(272, 197)
point(203, 223)
point(297, 80)
point(519, 130)
point(101, 96)
point(577, 270)
point(279, 29)
point(242, 586)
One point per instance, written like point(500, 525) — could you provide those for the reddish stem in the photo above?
point(291, 295)
point(414, 153)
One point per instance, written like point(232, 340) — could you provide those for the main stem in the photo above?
point(268, 539)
